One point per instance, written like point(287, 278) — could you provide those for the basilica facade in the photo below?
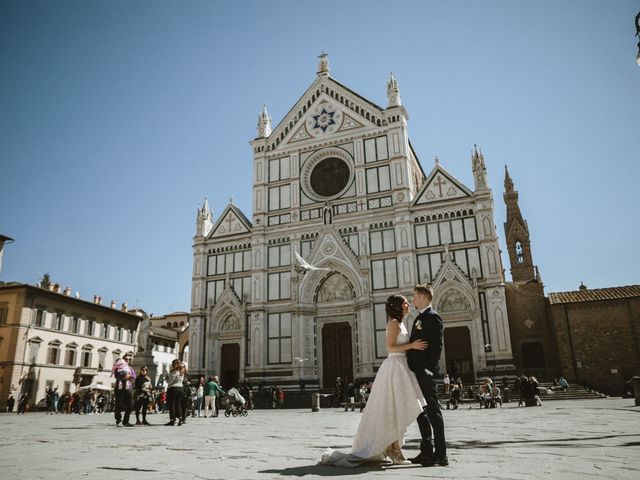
point(344, 215)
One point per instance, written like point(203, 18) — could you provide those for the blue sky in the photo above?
point(117, 118)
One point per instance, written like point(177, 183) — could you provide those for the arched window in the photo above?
point(519, 252)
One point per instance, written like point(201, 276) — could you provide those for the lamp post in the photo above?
point(638, 35)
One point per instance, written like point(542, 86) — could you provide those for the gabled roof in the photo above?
point(231, 222)
point(595, 294)
point(350, 108)
point(441, 186)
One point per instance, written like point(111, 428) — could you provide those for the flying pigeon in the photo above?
point(302, 266)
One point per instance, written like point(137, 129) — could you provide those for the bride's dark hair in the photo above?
point(393, 307)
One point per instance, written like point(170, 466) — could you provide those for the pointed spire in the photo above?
point(478, 168)
point(393, 92)
point(231, 199)
point(323, 64)
point(437, 160)
point(508, 183)
point(204, 221)
point(264, 123)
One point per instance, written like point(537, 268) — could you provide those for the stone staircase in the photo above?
point(574, 392)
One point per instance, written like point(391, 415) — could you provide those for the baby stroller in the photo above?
point(236, 404)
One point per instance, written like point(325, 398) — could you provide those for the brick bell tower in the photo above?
point(517, 237)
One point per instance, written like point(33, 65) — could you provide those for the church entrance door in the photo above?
point(337, 360)
point(230, 365)
point(533, 360)
point(457, 350)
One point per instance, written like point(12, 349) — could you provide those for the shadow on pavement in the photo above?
point(324, 470)
point(132, 469)
point(553, 442)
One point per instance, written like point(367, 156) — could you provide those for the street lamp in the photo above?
point(638, 35)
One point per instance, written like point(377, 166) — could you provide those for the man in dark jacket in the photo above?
point(425, 364)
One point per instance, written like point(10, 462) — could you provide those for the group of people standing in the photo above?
point(135, 391)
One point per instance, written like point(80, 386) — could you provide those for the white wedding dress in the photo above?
point(394, 403)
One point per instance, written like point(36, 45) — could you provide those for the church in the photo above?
point(338, 183)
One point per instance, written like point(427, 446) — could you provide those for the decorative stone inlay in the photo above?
point(230, 324)
point(328, 248)
point(324, 120)
point(454, 301)
point(335, 288)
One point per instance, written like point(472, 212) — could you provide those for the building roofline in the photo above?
point(594, 294)
point(78, 301)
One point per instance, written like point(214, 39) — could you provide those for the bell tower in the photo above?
point(517, 236)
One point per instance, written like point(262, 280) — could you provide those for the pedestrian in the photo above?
point(23, 404)
point(190, 393)
point(447, 383)
point(280, 398)
point(143, 395)
point(125, 378)
point(10, 403)
point(211, 391)
point(175, 391)
point(200, 396)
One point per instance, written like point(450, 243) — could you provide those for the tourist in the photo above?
point(143, 395)
point(200, 396)
point(125, 376)
point(454, 397)
point(175, 391)
point(447, 383)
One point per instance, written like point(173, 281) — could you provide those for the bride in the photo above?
point(395, 400)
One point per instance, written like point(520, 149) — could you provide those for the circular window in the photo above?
point(329, 177)
point(327, 174)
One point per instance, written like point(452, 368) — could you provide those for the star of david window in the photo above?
point(323, 120)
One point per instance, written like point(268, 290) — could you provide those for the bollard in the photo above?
point(315, 402)
point(636, 390)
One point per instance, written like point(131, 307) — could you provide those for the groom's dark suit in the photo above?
point(428, 327)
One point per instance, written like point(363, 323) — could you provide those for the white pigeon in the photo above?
point(302, 266)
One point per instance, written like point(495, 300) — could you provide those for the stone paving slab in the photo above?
point(571, 439)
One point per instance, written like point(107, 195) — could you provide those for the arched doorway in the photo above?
point(459, 358)
point(229, 365)
point(337, 360)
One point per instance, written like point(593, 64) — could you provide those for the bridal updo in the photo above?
point(393, 307)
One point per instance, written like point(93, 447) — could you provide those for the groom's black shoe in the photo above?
point(436, 462)
point(421, 458)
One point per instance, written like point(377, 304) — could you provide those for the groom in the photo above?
point(424, 363)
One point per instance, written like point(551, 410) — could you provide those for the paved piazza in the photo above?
point(563, 439)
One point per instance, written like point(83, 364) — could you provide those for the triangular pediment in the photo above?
point(441, 186)
point(330, 246)
point(326, 108)
point(231, 222)
point(451, 272)
point(517, 230)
